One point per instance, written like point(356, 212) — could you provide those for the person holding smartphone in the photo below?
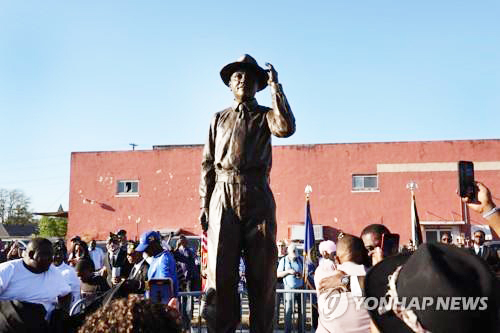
point(372, 238)
point(116, 267)
point(485, 206)
point(14, 251)
point(162, 266)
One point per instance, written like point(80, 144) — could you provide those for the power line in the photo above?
point(58, 198)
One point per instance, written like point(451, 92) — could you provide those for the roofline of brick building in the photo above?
point(188, 146)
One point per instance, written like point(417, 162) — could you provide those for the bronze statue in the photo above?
point(237, 205)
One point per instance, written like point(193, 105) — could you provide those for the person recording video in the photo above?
point(485, 206)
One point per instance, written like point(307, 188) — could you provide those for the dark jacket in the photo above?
point(488, 254)
point(140, 275)
point(22, 317)
point(187, 259)
point(121, 261)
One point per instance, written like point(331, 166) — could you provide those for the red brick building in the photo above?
point(353, 185)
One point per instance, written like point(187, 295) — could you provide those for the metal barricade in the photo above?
point(190, 309)
point(304, 312)
point(302, 302)
point(77, 307)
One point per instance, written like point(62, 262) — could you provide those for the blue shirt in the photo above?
point(290, 281)
point(163, 266)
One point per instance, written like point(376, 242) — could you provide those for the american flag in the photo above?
point(204, 256)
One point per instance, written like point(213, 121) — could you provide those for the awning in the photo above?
point(442, 222)
point(167, 231)
point(53, 214)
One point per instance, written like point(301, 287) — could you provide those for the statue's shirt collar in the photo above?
point(249, 105)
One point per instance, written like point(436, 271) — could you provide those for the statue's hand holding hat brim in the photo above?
point(245, 62)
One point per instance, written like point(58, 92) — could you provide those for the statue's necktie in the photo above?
point(239, 134)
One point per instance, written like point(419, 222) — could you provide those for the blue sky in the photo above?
point(98, 75)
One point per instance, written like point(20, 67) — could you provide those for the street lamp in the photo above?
point(412, 186)
point(308, 190)
point(415, 225)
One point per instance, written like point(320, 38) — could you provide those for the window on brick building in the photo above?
point(364, 182)
point(128, 188)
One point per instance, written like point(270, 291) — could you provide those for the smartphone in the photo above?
point(390, 244)
point(160, 290)
point(466, 184)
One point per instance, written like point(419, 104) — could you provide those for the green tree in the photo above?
point(52, 226)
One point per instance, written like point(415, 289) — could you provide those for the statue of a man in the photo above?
point(237, 206)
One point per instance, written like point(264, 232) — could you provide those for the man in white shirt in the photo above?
point(33, 279)
point(96, 254)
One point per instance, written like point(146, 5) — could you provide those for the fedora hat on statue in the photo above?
point(439, 288)
point(245, 62)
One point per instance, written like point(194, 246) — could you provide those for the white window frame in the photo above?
point(364, 189)
point(439, 232)
point(297, 232)
point(127, 194)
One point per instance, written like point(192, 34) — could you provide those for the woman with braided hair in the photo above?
point(134, 314)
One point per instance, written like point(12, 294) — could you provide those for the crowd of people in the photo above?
point(47, 281)
point(39, 284)
point(345, 268)
point(358, 268)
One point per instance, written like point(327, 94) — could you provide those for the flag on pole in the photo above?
point(416, 231)
point(204, 258)
point(310, 253)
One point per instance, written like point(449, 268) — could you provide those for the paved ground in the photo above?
point(244, 319)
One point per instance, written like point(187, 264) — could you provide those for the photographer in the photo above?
point(15, 251)
point(290, 269)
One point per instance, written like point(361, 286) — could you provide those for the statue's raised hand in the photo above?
point(271, 72)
